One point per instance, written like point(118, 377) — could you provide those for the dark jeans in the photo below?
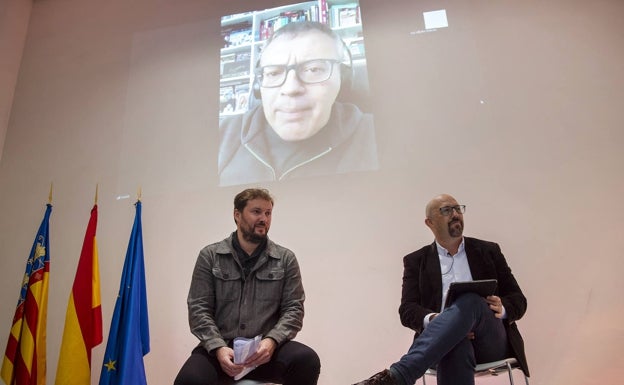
point(293, 363)
point(444, 343)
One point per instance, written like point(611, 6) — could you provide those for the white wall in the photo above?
point(14, 16)
point(124, 95)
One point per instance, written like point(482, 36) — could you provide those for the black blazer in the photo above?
point(422, 288)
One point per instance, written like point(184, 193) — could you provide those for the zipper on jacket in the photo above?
point(290, 169)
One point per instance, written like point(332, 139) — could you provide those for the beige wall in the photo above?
point(14, 16)
point(517, 111)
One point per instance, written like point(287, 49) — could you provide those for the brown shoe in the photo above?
point(382, 378)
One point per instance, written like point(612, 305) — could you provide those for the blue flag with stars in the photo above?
point(128, 339)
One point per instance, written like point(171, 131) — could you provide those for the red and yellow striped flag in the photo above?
point(83, 320)
point(25, 357)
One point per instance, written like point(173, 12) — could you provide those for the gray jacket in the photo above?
point(223, 304)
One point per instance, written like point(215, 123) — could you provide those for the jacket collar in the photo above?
point(226, 247)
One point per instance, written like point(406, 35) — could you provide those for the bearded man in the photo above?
point(248, 286)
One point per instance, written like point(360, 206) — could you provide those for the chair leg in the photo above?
point(509, 370)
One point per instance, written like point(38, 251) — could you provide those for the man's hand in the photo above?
point(225, 355)
point(264, 353)
point(496, 305)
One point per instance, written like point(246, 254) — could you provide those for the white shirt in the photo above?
point(454, 268)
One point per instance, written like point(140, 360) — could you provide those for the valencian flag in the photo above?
point(128, 339)
point(83, 320)
point(25, 357)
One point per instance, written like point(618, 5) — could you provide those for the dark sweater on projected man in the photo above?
point(250, 151)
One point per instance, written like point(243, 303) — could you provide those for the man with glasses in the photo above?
point(472, 329)
point(300, 129)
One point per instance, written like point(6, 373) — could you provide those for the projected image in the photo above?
point(293, 94)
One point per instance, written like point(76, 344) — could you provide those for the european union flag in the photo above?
point(128, 339)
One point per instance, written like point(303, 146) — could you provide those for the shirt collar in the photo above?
point(443, 251)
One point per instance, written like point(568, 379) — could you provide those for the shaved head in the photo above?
point(447, 227)
point(436, 203)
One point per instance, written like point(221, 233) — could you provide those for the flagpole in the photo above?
point(128, 338)
point(96, 193)
point(139, 194)
point(50, 195)
point(25, 356)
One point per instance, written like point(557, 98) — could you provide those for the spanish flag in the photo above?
point(25, 357)
point(83, 320)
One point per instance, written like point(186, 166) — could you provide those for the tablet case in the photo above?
point(482, 287)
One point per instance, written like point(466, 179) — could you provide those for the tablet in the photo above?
point(482, 287)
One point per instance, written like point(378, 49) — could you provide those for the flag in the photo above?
point(25, 357)
point(83, 320)
point(128, 339)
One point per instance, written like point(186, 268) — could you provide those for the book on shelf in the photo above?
point(240, 37)
point(227, 99)
point(323, 12)
point(314, 13)
point(234, 98)
point(236, 35)
point(272, 24)
point(348, 17)
point(344, 15)
point(242, 97)
point(356, 47)
point(227, 58)
point(239, 66)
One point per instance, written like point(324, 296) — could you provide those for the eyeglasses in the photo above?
point(308, 72)
point(448, 210)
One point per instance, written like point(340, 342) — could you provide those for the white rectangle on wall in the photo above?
point(435, 19)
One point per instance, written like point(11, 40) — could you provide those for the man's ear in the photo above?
point(428, 222)
point(236, 215)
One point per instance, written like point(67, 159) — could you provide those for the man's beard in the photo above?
point(252, 237)
point(456, 231)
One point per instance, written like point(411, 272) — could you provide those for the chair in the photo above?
point(490, 368)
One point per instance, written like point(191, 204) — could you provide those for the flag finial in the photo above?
point(50, 195)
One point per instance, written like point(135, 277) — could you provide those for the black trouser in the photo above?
point(293, 363)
